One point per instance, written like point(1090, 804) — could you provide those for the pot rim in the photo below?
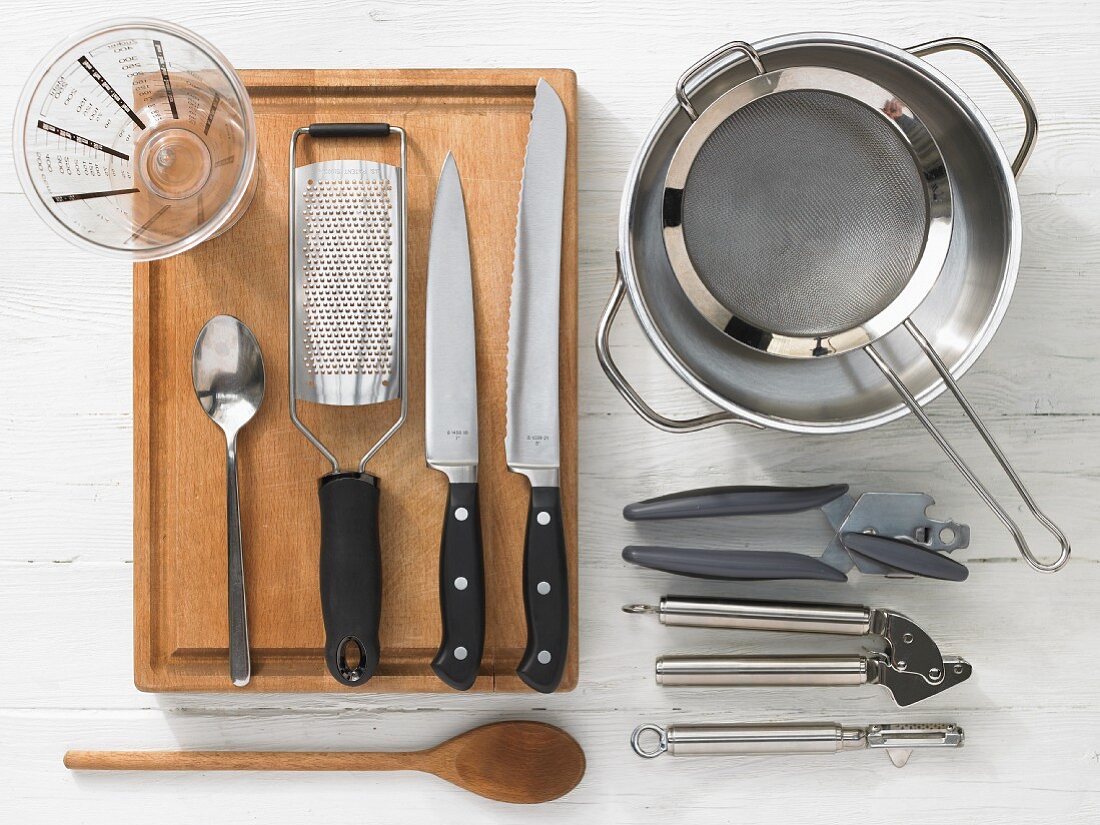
point(1013, 231)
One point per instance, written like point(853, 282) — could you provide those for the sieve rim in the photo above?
point(931, 169)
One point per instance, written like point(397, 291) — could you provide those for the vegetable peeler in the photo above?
point(887, 534)
point(897, 740)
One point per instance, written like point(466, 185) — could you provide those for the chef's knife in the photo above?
point(450, 437)
point(532, 441)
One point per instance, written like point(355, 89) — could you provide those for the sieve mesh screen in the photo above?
point(804, 213)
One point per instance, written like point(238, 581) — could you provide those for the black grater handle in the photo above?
point(351, 574)
point(348, 130)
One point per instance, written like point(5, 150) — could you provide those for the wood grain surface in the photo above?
point(180, 624)
point(1032, 709)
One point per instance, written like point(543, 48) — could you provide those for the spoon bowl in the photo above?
point(228, 372)
point(519, 762)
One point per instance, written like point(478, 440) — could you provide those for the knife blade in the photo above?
point(532, 439)
point(450, 437)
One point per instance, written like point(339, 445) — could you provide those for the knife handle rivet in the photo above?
point(544, 657)
point(461, 583)
point(462, 513)
point(461, 653)
point(543, 588)
point(543, 518)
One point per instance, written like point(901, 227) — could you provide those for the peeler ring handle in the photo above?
point(642, 750)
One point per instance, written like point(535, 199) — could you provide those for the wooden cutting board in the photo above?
point(180, 625)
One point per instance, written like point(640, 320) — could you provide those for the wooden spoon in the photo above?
point(522, 762)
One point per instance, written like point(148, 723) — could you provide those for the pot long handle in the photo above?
point(980, 50)
point(618, 380)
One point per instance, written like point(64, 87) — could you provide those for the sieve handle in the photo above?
point(629, 394)
point(350, 574)
point(964, 468)
point(1007, 76)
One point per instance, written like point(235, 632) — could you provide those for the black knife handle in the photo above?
point(545, 593)
point(461, 590)
point(733, 501)
point(351, 574)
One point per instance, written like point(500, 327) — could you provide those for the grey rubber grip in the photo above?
point(733, 501)
point(906, 557)
point(741, 565)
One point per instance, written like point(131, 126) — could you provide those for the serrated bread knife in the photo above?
point(450, 432)
point(532, 441)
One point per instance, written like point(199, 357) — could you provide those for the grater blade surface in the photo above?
point(347, 297)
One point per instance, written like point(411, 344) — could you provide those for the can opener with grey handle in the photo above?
point(898, 740)
point(910, 666)
point(877, 533)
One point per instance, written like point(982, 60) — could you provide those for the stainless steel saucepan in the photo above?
point(820, 234)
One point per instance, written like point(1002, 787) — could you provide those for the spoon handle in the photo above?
point(242, 761)
point(240, 668)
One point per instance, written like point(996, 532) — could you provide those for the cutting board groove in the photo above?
point(180, 626)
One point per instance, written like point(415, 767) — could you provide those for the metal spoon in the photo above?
point(228, 372)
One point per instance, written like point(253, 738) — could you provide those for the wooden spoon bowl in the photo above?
point(521, 762)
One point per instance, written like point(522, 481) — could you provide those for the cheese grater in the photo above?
point(347, 348)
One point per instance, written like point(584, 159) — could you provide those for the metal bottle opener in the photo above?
point(911, 666)
point(898, 741)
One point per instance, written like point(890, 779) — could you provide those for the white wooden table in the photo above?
point(1030, 711)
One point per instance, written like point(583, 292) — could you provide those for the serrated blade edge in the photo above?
point(532, 439)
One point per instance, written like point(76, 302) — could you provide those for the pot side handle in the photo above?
point(629, 394)
point(965, 44)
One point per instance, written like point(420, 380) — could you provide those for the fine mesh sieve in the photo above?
point(807, 212)
point(804, 213)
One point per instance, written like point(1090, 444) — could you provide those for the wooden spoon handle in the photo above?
point(242, 761)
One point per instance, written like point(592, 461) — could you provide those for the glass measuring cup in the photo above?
point(136, 139)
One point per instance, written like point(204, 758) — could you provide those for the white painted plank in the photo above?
point(618, 787)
